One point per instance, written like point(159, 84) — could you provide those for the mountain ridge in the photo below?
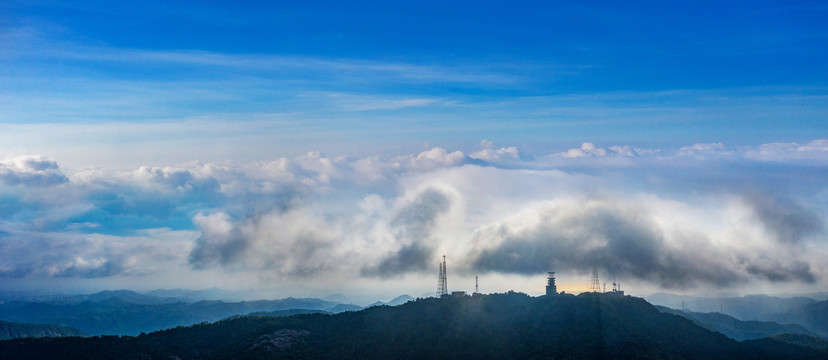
point(496, 326)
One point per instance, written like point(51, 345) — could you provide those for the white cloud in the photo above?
point(432, 159)
point(374, 217)
point(813, 150)
point(703, 150)
point(32, 170)
point(586, 150)
point(489, 154)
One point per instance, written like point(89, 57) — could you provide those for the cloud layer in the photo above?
point(495, 210)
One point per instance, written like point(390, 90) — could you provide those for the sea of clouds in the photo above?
point(701, 215)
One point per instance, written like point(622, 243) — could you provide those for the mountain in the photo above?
point(813, 316)
point(399, 300)
point(342, 299)
point(345, 307)
point(13, 330)
point(195, 295)
point(498, 326)
point(737, 329)
point(279, 313)
point(129, 296)
point(115, 316)
point(750, 307)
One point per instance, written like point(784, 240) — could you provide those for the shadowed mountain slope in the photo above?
point(500, 326)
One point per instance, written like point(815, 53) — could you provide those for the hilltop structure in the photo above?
point(616, 288)
point(551, 288)
point(476, 287)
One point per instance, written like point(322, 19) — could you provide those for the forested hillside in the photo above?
point(12, 330)
point(501, 326)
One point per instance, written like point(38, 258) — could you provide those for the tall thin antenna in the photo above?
point(595, 286)
point(476, 285)
point(442, 283)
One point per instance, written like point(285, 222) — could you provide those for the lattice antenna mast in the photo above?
point(442, 283)
point(595, 286)
point(476, 285)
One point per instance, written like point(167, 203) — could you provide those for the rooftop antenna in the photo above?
point(614, 285)
point(476, 287)
point(595, 286)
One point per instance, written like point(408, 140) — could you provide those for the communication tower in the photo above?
point(616, 287)
point(595, 286)
point(442, 284)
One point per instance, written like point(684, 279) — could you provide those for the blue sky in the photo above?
point(123, 126)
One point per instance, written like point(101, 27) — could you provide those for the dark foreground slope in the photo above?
point(503, 326)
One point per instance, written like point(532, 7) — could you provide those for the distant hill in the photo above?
point(130, 296)
point(195, 295)
point(750, 307)
point(279, 313)
point(737, 329)
point(399, 300)
point(345, 307)
point(116, 316)
point(499, 326)
point(813, 316)
point(13, 330)
point(338, 298)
